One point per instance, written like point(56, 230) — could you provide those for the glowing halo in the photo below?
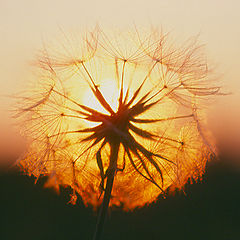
point(136, 97)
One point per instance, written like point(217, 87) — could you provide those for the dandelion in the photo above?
point(116, 117)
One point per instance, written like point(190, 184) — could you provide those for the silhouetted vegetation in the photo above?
point(207, 210)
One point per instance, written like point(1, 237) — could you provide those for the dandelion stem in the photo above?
point(110, 173)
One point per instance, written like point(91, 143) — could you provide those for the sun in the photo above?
point(109, 89)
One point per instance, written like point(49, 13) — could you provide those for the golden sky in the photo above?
point(25, 24)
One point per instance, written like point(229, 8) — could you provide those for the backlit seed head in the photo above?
point(133, 90)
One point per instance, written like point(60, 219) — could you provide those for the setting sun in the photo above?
point(109, 89)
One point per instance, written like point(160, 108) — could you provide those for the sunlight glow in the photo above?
point(109, 90)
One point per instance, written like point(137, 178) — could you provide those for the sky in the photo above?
point(25, 24)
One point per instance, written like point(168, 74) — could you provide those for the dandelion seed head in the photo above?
point(132, 90)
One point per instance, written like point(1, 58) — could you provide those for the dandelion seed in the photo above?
point(114, 119)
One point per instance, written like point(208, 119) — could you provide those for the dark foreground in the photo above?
point(209, 210)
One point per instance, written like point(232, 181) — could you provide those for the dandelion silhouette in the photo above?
point(114, 116)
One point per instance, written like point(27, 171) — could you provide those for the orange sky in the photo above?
point(24, 24)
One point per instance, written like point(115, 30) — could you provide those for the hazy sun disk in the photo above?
point(144, 106)
point(109, 89)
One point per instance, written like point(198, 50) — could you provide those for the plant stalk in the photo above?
point(108, 189)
